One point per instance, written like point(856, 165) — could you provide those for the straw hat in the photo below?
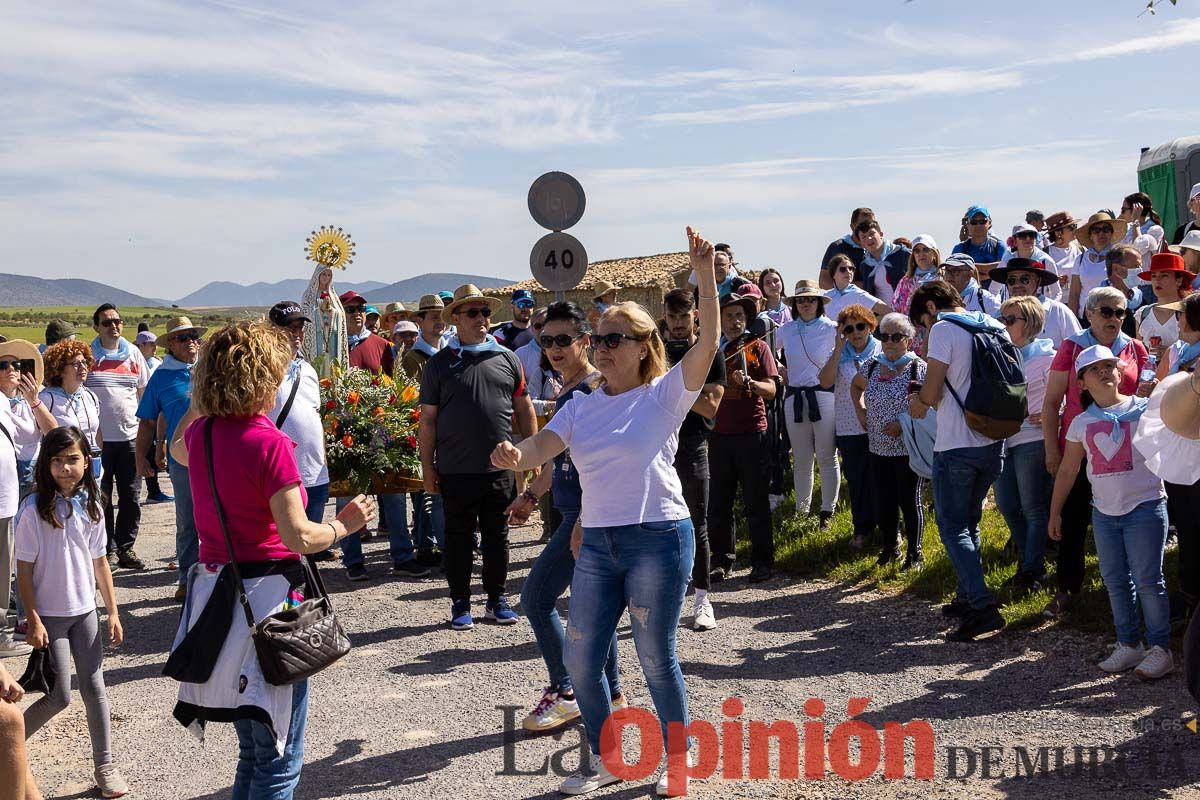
point(807, 288)
point(23, 350)
point(602, 288)
point(430, 302)
point(469, 293)
point(1083, 234)
point(179, 325)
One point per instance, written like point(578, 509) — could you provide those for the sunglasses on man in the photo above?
point(1108, 312)
point(484, 312)
point(1018, 280)
point(1102, 229)
point(355, 309)
point(112, 322)
point(187, 337)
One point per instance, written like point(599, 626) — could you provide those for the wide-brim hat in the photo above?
point(1059, 219)
point(394, 308)
point(807, 288)
point(602, 288)
point(179, 325)
point(1168, 434)
point(1190, 241)
point(24, 350)
point(1083, 234)
point(1166, 262)
point(469, 293)
point(1018, 264)
point(430, 302)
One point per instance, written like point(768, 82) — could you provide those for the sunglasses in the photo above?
point(20, 365)
point(355, 309)
point(897, 338)
point(843, 270)
point(111, 322)
point(611, 341)
point(806, 299)
point(1102, 229)
point(1018, 280)
point(187, 337)
point(1027, 235)
point(484, 312)
point(1108, 312)
point(849, 329)
point(563, 340)
point(1011, 319)
point(978, 221)
point(1063, 231)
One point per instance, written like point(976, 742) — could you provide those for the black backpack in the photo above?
point(996, 404)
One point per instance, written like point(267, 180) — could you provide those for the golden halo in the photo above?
point(330, 246)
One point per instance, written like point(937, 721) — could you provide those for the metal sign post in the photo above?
point(558, 261)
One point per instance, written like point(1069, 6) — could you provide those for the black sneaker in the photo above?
point(913, 563)
point(760, 574)
point(977, 622)
point(887, 556)
point(129, 560)
point(430, 558)
point(825, 520)
point(717, 575)
point(1026, 582)
point(410, 569)
point(356, 572)
point(956, 608)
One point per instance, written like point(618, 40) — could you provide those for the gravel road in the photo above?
point(413, 711)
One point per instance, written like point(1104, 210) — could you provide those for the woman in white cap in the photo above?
point(923, 266)
point(1129, 513)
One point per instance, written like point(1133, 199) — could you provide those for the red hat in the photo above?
point(352, 297)
point(1165, 262)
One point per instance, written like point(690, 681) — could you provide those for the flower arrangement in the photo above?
point(370, 424)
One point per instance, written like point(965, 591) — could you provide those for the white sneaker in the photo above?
point(620, 702)
point(773, 501)
point(1123, 657)
point(664, 779)
point(12, 649)
point(703, 617)
point(1157, 663)
point(551, 712)
point(594, 777)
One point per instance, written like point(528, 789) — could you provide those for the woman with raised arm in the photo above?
point(637, 544)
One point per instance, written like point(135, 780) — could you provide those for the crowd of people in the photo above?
point(1034, 368)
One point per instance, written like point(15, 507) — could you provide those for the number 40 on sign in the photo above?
point(558, 261)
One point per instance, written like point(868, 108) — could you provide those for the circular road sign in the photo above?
point(558, 261)
point(556, 201)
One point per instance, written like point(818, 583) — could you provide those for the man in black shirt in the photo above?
point(691, 459)
point(515, 332)
point(847, 246)
point(471, 391)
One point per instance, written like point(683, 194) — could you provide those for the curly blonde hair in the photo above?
point(240, 368)
point(58, 355)
point(640, 324)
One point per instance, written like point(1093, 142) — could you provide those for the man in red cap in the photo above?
point(367, 350)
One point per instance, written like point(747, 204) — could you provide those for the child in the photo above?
point(60, 547)
point(1129, 515)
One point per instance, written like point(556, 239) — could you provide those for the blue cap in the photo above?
point(447, 297)
point(370, 310)
point(973, 210)
point(522, 298)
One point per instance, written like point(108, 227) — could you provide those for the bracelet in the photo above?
point(530, 496)
point(36, 404)
point(333, 528)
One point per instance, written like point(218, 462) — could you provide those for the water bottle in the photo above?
point(1151, 369)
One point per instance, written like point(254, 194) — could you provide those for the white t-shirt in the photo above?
point(1060, 322)
point(1090, 274)
point(1065, 257)
point(851, 297)
point(1149, 327)
point(806, 348)
point(1037, 370)
point(303, 423)
point(977, 298)
point(624, 448)
point(9, 480)
point(116, 384)
point(954, 346)
point(25, 429)
point(64, 582)
point(83, 411)
point(1117, 470)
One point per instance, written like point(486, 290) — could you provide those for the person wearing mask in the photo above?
point(1106, 309)
point(1062, 248)
point(848, 246)
point(1025, 239)
point(884, 263)
point(636, 546)
point(117, 378)
point(169, 393)
point(854, 345)
point(368, 350)
point(472, 396)
point(965, 463)
point(516, 332)
point(1024, 278)
point(775, 306)
point(846, 293)
point(807, 343)
point(880, 392)
point(1158, 327)
point(691, 459)
point(959, 272)
point(257, 482)
point(1023, 488)
point(985, 250)
point(1095, 238)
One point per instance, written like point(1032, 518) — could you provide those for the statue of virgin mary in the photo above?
point(325, 339)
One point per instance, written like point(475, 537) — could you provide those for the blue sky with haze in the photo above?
point(159, 146)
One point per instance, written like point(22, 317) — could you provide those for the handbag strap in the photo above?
point(287, 406)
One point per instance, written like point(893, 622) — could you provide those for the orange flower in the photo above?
point(353, 397)
point(378, 411)
point(326, 383)
point(409, 394)
point(348, 440)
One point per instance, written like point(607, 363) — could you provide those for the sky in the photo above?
point(157, 146)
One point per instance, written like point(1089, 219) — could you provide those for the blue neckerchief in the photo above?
point(489, 343)
point(850, 289)
point(355, 339)
point(921, 276)
point(1130, 415)
point(807, 323)
point(15, 400)
point(124, 351)
point(1085, 339)
point(75, 504)
point(1185, 355)
point(849, 239)
point(1038, 347)
point(1097, 256)
point(895, 366)
point(422, 346)
point(974, 318)
point(601, 306)
point(871, 261)
point(725, 287)
point(849, 354)
point(172, 363)
point(73, 400)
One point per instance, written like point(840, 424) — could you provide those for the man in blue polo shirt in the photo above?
point(169, 393)
point(985, 249)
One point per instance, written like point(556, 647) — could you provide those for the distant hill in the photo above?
point(26, 290)
point(221, 294)
point(414, 288)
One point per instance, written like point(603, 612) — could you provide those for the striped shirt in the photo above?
point(116, 383)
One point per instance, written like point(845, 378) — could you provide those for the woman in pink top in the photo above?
point(258, 481)
point(1105, 310)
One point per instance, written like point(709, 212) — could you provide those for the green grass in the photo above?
point(29, 322)
point(805, 550)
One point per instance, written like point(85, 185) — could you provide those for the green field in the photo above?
point(29, 322)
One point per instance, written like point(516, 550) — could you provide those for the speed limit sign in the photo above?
point(558, 261)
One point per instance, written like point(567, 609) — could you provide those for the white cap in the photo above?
point(405, 326)
point(1195, 191)
point(1024, 227)
point(1094, 355)
point(1190, 241)
point(925, 239)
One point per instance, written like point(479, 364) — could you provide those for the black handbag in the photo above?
point(40, 674)
point(295, 643)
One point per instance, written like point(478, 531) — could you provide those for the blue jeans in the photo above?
point(1130, 548)
point(1023, 497)
point(400, 543)
point(187, 540)
point(318, 496)
point(548, 578)
point(430, 522)
point(646, 569)
point(961, 479)
point(263, 774)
